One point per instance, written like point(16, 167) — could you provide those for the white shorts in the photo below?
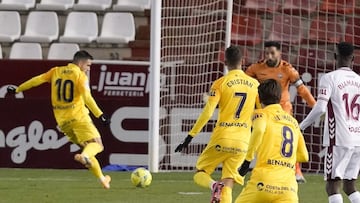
point(342, 162)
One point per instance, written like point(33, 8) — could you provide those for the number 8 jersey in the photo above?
point(277, 142)
point(70, 93)
point(341, 90)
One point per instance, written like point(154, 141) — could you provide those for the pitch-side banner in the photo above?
point(28, 132)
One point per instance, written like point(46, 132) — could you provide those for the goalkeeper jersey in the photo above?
point(70, 92)
point(277, 142)
point(235, 93)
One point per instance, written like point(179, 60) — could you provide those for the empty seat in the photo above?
point(131, 5)
point(299, 7)
point(117, 28)
point(10, 26)
point(338, 6)
point(17, 4)
point(286, 28)
point(352, 31)
point(325, 29)
point(262, 5)
point(62, 51)
point(80, 27)
point(93, 5)
point(246, 30)
point(41, 26)
point(20, 50)
point(55, 5)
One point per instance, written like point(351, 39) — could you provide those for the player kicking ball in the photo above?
point(71, 99)
point(235, 93)
point(278, 144)
point(339, 98)
point(272, 67)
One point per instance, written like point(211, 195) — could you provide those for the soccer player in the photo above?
point(278, 143)
point(235, 93)
point(273, 67)
point(71, 99)
point(339, 98)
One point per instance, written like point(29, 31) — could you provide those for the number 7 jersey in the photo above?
point(341, 90)
point(70, 93)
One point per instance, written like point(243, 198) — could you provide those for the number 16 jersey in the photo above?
point(70, 93)
point(341, 90)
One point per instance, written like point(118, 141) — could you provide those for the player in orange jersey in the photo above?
point(273, 67)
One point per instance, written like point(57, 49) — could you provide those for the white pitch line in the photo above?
point(190, 193)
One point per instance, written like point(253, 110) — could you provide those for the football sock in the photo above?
point(95, 168)
point(92, 149)
point(203, 179)
point(226, 194)
point(336, 198)
point(354, 197)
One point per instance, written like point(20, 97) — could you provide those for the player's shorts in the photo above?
point(228, 152)
point(80, 131)
point(257, 191)
point(342, 162)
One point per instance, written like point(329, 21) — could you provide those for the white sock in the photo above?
point(212, 185)
point(336, 198)
point(102, 178)
point(354, 197)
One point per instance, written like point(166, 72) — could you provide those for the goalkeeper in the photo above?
point(235, 94)
point(70, 95)
point(278, 144)
point(272, 67)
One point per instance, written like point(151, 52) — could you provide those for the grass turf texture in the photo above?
point(79, 186)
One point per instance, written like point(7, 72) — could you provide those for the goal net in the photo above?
point(192, 46)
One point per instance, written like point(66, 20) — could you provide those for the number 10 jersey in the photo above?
point(341, 90)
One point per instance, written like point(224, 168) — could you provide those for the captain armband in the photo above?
point(298, 82)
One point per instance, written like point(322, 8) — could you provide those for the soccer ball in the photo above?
point(141, 177)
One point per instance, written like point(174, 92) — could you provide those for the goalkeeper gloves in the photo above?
point(11, 89)
point(104, 120)
point(244, 168)
point(184, 144)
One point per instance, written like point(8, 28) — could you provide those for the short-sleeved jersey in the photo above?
point(284, 74)
point(341, 90)
point(278, 143)
point(235, 94)
point(70, 93)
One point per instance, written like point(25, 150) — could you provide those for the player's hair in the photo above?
point(269, 92)
point(345, 49)
point(233, 56)
point(82, 55)
point(272, 44)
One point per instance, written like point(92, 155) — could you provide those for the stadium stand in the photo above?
point(286, 29)
point(17, 5)
point(117, 28)
point(325, 29)
point(299, 7)
point(352, 30)
point(55, 5)
point(21, 50)
point(93, 5)
point(246, 30)
point(10, 26)
point(338, 6)
point(131, 5)
point(80, 27)
point(62, 51)
point(42, 27)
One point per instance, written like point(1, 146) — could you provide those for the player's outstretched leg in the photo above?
point(96, 170)
point(299, 176)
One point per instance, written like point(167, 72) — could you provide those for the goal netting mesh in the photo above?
point(192, 53)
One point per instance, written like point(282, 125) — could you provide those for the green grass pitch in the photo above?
point(79, 186)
